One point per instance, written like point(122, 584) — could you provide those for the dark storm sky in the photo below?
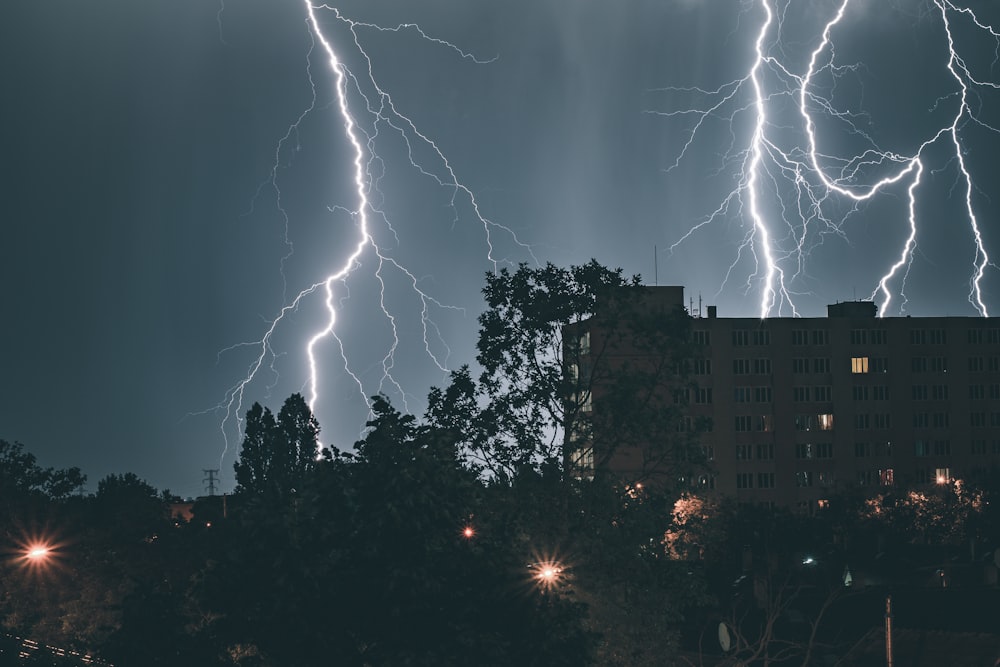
point(144, 234)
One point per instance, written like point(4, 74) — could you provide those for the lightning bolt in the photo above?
point(364, 110)
point(808, 184)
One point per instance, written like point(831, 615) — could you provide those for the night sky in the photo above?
point(174, 177)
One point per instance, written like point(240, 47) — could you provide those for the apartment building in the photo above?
point(803, 408)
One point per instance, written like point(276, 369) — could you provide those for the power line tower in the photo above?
point(210, 480)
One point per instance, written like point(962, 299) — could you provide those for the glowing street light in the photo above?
point(547, 574)
point(38, 555)
point(37, 552)
point(468, 532)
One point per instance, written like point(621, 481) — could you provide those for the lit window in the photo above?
point(942, 475)
point(582, 461)
point(824, 422)
point(859, 364)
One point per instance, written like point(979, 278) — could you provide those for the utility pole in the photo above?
point(210, 480)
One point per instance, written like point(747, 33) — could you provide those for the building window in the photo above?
point(765, 423)
point(865, 478)
point(860, 393)
point(762, 366)
point(995, 392)
point(741, 337)
point(744, 452)
point(708, 451)
point(976, 365)
point(821, 365)
point(977, 392)
point(581, 461)
point(805, 450)
point(942, 475)
point(976, 336)
point(921, 420)
point(859, 365)
point(701, 337)
point(993, 364)
point(995, 419)
point(978, 446)
point(762, 394)
point(765, 480)
point(826, 478)
point(920, 448)
point(800, 337)
point(742, 423)
point(886, 477)
point(882, 420)
point(918, 364)
point(939, 364)
point(942, 447)
point(761, 337)
point(923, 476)
point(824, 422)
point(919, 392)
point(862, 450)
point(878, 364)
point(861, 421)
point(824, 450)
point(877, 336)
point(702, 366)
point(859, 337)
point(880, 392)
point(582, 344)
point(883, 448)
point(800, 394)
point(941, 420)
point(703, 395)
point(918, 336)
point(820, 337)
point(744, 480)
point(765, 452)
point(936, 337)
point(977, 419)
point(803, 478)
point(706, 481)
point(800, 365)
point(741, 366)
point(822, 394)
point(583, 401)
point(803, 422)
point(741, 394)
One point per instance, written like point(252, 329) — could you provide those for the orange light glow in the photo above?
point(37, 552)
point(469, 532)
point(38, 555)
point(547, 574)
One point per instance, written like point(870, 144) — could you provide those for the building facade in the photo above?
point(803, 408)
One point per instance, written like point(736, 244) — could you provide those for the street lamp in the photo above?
point(547, 574)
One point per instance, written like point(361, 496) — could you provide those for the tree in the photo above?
point(370, 564)
point(22, 478)
point(277, 454)
point(610, 385)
